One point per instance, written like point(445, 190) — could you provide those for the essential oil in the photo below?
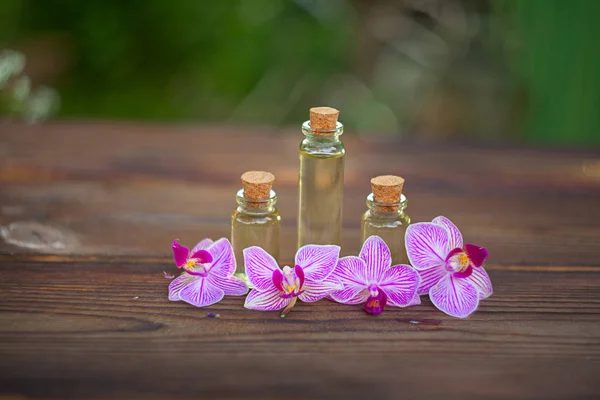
point(321, 179)
point(255, 222)
point(385, 216)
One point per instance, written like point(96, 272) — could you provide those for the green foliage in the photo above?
point(157, 59)
point(558, 61)
point(16, 95)
point(251, 60)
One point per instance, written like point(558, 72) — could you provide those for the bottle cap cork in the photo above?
point(323, 118)
point(257, 184)
point(387, 190)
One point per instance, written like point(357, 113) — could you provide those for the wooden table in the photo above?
point(89, 210)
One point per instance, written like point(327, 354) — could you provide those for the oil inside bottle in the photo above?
point(389, 225)
point(254, 226)
point(321, 188)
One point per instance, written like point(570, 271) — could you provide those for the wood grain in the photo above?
point(91, 319)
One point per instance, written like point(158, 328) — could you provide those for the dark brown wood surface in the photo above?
point(88, 212)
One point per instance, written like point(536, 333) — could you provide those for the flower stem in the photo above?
point(289, 307)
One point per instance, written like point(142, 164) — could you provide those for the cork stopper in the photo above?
point(257, 185)
point(323, 119)
point(387, 190)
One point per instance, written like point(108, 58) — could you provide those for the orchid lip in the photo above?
point(289, 282)
point(465, 273)
point(376, 302)
point(459, 263)
point(292, 294)
point(196, 273)
point(190, 266)
point(453, 252)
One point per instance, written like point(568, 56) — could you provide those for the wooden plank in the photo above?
point(106, 330)
point(131, 189)
point(88, 212)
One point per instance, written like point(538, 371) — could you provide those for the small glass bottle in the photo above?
point(386, 217)
point(321, 179)
point(255, 222)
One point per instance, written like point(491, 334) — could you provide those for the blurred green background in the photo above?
point(493, 70)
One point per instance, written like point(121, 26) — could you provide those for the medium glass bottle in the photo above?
point(321, 179)
point(385, 216)
point(255, 222)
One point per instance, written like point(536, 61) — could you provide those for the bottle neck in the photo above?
point(387, 210)
point(322, 137)
point(256, 207)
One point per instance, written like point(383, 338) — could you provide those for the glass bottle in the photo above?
point(321, 179)
point(256, 221)
point(386, 218)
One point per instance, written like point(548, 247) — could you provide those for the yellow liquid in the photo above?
point(321, 198)
point(250, 230)
point(391, 231)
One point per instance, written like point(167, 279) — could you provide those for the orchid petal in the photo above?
point(426, 245)
point(223, 259)
point(201, 293)
point(314, 291)
point(376, 255)
point(400, 284)
point(455, 236)
point(202, 256)
point(415, 300)
point(480, 279)
point(317, 261)
point(180, 253)
point(179, 283)
point(455, 297)
point(231, 286)
point(269, 300)
point(202, 245)
point(351, 295)
point(430, 277)
point(351, 270)
point(259, 267)
point(477, 254)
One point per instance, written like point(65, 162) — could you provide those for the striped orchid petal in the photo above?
point(456, 297)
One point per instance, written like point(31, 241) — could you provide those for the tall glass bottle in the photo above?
point(321, 179)
point(385, 216)
point(255, 222)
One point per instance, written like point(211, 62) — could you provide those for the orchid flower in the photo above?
point(275, 289)
point(452, 274)
point(207, 273)
point(371, 279)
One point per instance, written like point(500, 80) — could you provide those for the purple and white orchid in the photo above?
point(207, 273)
point(309, 280)
point(452, 274)
point(371, 279)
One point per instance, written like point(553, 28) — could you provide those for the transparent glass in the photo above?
point(321, 186)
point(388, 221)
point(254, 223)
